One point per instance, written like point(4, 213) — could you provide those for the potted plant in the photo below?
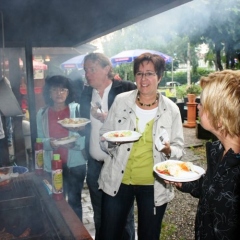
point(192, 91)
point(181, 92)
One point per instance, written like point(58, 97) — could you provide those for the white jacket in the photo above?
point(122, 116)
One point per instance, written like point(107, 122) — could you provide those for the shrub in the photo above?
point(193, 89)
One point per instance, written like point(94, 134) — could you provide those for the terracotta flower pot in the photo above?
point(191, 98)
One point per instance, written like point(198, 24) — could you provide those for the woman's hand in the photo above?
point(166, 150)
point(111, 144)
point(176, 184)
point(76, 129)
point(69, 145)
point(53, 145)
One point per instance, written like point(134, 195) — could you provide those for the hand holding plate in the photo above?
point(69, 145)
point(76, 129)
point(176, 184)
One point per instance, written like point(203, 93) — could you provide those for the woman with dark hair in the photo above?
point(127, 172)
point(58, 96)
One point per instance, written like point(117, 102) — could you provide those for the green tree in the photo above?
point(216, 23)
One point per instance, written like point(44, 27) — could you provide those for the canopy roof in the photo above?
point(61, 23)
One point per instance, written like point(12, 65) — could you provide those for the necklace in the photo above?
point(58, 115)
point(150, 104)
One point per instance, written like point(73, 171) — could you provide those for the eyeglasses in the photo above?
point(59, 90)
point(90, 70)
point(146, 75)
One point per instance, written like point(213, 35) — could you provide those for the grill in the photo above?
point(25, 204)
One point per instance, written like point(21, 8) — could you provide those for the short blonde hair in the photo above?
point(220, 99)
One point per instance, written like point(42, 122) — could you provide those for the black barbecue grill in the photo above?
point(25, 204)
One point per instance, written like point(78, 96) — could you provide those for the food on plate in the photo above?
point(69, 138)
point(66, 138)
point(4, 171)
point(120, 134)
point(175, 169)
point(73, 121)
point(4, 176)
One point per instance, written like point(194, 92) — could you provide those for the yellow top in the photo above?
point(139, 169)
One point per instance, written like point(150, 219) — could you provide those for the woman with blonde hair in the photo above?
point(218, 213)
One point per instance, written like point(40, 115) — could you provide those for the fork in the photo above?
point(99, 106)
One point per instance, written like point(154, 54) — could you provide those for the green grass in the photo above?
point(200, 151)
point(167, 230)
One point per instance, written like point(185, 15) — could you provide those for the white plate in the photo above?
point(185, 177)
point(63, 141)
point(84, 121)
point(132, 137)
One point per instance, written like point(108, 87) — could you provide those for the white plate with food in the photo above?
point(74, 122)
point(65, 140)
point(178, 171)
point(122, 136)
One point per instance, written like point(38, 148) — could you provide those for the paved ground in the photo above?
point(190, 141)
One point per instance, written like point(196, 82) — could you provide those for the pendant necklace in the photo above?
point(59, 114)
point(150, 104)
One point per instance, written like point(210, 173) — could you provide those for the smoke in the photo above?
point(196, 15)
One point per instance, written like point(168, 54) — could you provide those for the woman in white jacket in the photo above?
point(127, 173)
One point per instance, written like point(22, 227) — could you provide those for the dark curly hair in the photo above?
point(57, 81)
